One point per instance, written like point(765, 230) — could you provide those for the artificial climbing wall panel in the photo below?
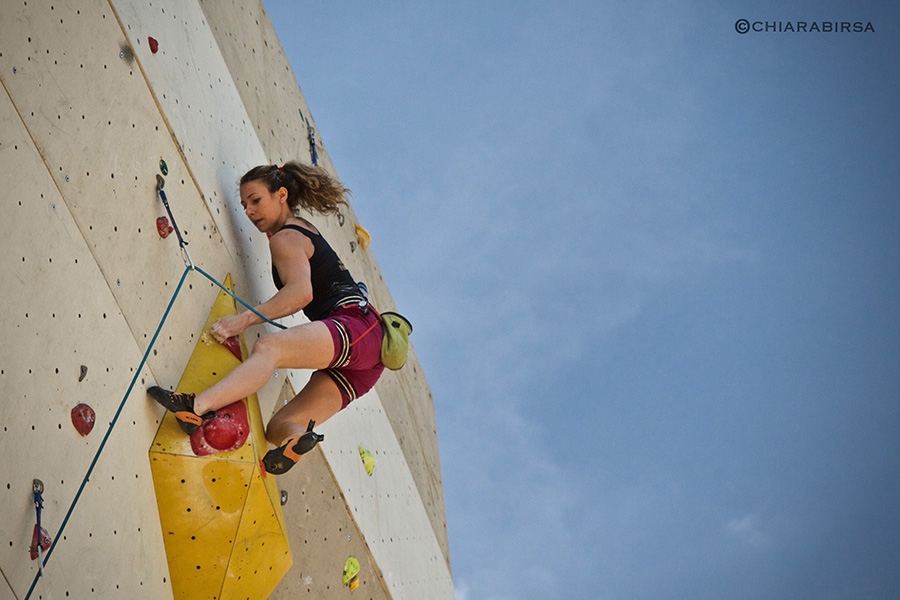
point(386, 504)
point(322, 531)
point(192, 85)
point(190, 82)
point(65, 342)
point(78, 91)
point(263, 77)
point(80, 121)
point(281, 117)
point(326, 535)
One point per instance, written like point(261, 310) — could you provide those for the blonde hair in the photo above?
point(308, 187)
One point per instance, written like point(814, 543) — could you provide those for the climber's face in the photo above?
point(268, 211)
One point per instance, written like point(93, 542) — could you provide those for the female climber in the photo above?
point(342, 341)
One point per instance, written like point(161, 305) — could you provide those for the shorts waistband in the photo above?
point(350, 302)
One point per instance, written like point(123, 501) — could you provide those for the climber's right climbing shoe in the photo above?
point(280, 460)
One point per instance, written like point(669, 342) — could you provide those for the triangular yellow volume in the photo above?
point(207, 503)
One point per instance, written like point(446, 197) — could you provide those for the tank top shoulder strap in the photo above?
point(310, 234)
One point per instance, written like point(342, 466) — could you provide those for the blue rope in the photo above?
point(112, 424)
point(189, 266)
point(238, 298)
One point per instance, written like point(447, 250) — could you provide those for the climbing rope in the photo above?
point(109, 430)
point(188, 267)
point(236, 297)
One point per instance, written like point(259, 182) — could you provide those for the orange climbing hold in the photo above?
point(363, 237)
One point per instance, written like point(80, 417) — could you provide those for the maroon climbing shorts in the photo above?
point(356, 365)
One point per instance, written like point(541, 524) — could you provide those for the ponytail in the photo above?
point(309, 188)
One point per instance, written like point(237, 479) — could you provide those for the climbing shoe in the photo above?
point(183, 407)
point(281, 459)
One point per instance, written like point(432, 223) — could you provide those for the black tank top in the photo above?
point(332, 283)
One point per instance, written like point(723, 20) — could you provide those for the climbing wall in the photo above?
point(99, 98)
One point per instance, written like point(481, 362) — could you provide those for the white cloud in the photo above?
point(460, 591)
point(747, 530)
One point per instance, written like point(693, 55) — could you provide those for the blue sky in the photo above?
point(652, 266)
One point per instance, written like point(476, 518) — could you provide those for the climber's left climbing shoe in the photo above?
point(183, 407)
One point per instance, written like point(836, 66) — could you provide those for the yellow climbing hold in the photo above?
point(351, 573)
point(363, 237)
point(221, 518)
point(367, 459)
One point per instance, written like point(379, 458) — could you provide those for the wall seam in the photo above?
point(9, 585)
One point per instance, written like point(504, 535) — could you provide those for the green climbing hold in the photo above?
point(351, 573)
point(367, 459)
point(163, 167)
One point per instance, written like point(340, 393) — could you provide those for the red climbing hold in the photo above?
point(40, 538)
point(228, 431)
point(163, 227)
point(154, 45)
point(83, 418)
point(234, 345)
